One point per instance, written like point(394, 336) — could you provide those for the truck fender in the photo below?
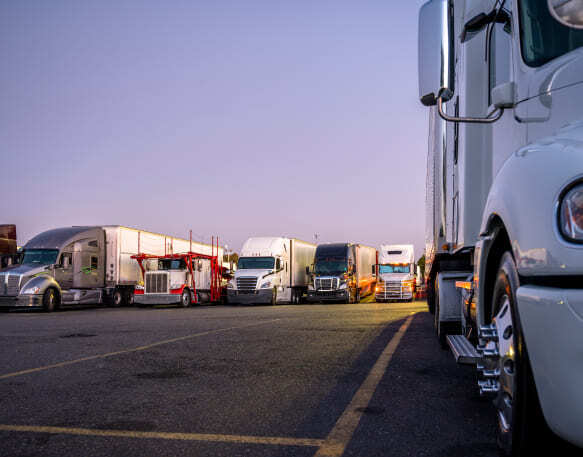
point(43, 282)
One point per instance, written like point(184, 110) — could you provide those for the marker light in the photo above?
point(571, 214)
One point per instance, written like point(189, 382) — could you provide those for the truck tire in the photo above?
point(430, 291)
point(440, 327)
point(50, 300)
point(274, 297)
point(118, 298)
point(185, 298)
point(521, 424)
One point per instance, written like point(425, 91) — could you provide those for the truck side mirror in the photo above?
point(373, 269)
point(436, 56)
point(567, 12)
point(307, 270)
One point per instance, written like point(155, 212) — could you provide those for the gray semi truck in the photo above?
point(83, 265)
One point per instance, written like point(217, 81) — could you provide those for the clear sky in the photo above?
point(233, 118)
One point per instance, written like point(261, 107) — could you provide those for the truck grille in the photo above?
point(9, 285)
point(326, 283)
point(156, 283)
point(247, 283)
point(391, 289)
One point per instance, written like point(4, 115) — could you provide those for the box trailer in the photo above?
point(8, 247)
point(271, 270)
point(84, 265)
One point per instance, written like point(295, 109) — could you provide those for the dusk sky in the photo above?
point(230, 118)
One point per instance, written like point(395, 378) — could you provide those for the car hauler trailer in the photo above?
point(184, 279)
point(396, 278)
point(8, 248)
point(271, 270)
point(84, 265)
point(504, 258)
point(342, 272)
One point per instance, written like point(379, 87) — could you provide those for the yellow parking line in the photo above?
point(241, 439)
point(126, 351)
point(340, 436)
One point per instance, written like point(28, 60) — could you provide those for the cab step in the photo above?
point(463, 351)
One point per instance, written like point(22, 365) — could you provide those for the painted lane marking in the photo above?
point(127, 351)
point(337, 440)
point(242, 439)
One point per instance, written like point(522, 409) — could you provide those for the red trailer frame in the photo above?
point(189, 257)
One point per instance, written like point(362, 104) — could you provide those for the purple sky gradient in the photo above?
point(230, 118)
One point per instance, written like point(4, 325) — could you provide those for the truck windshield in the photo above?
point(393, 269)
point(39, 256)
point(542, 37)
point(171, 264)
point(330, 265)
point(256, 263)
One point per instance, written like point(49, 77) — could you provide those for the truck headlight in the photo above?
point(342, 285)
point(310, 287)
point(230, 285)
point(571, 214)
point(266, 285)
point(31, 290)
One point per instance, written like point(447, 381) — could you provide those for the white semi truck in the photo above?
point(504, 258)
point(271, 270)
point(396, 273)
point(84, 265)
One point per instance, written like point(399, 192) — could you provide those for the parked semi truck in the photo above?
point(271, 270)
point(342, 272)
point(183, 279)
point(396, 273)
point(83, 265)
point(504, 260)
point(8, 248)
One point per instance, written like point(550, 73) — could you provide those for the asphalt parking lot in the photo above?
point(357, 380)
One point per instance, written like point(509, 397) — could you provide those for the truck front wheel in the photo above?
point(521, 424)
point(50, 300)
point(185, 298)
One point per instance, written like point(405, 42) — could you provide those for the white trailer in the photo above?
point(396, 278)
point(271, 270)
point(504, 257)
point(84, 265)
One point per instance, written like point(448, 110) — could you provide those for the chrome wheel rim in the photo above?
point(504, 401)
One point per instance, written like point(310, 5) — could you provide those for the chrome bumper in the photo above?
point(156, 299)
point(261, 296)
point(552, 322)
point(21, 301)
point(327, 295)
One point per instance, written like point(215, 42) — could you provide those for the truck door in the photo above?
point(64, 268)
point(88, 263)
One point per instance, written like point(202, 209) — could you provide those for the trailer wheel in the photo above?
point(118, 298)
point(50, 300)
point(185, 298)
point(521, 424)
point(440, 327)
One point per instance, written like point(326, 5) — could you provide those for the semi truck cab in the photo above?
point(396, 278)
point(334, 274)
